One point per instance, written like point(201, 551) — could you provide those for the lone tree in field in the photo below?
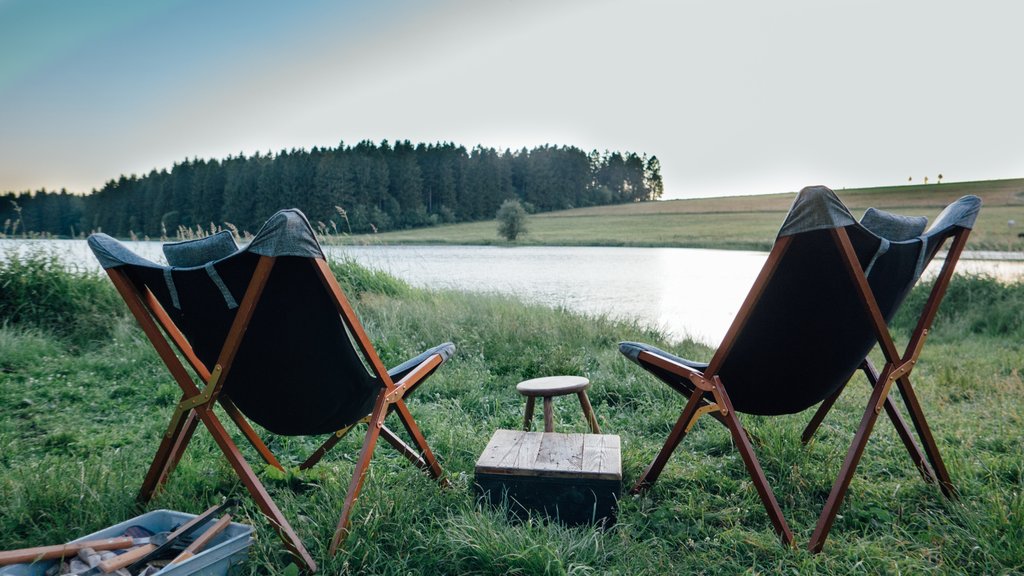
point(511, 220)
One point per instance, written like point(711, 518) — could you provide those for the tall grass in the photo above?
point(974, 304)
point(80, 424)
point(37, 290)
point(358, 279)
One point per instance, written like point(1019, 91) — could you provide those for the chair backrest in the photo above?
point(808, 331)
point(297, 370)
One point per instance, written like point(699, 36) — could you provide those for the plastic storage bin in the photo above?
point(229, 548)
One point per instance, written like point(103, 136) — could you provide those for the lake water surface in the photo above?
point(686, 292)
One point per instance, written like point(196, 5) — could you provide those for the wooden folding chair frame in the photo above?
point(197, 405)
point(897, 369)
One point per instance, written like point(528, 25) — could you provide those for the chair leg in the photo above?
point(925, 433)
point(528, 414)
point(404, 449)
point(359, 474)
point(324, 448)
point(908, 441)
point(860, 439)
point(549, 415)
point(764, 490)
point(650, 475)
point(247, 430)
point(191, 423)
point(890, 409)
point(901, 428)
point(588, 411)
point(418, 439)
point(171, 448)
point(256, 490)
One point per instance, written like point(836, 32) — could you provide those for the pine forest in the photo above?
point(348, 189)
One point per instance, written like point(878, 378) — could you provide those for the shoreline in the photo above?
point(986, 254)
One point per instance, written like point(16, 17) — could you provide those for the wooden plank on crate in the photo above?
point(510, 450)
point(559, 454)
point(520, 453)
point(602, 456)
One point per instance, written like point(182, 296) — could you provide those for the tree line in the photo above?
point(350, 189)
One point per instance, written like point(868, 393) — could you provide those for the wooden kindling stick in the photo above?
point(203, 539)
point(28, 555)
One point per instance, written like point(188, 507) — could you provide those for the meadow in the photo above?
point(86, 399)
point(737, 222)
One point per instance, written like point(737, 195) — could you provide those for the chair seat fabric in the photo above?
point(807, 332)
point(297, 371)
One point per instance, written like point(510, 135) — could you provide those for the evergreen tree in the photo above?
point(379, 187)
point(652, 179)
point(405, 182)
point(612, 175)
point(634, 186)
point(332, 190)
point(240, 177)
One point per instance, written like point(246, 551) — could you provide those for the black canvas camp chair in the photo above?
point(821, 302)
point(271, 337)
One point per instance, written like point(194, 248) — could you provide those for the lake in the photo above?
point(670, 288)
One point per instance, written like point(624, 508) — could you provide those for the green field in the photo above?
point(85, 400)
point(745, 222)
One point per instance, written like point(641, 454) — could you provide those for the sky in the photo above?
point(733, 97)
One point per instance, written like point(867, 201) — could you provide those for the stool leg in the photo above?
point(588, 411)
point(529, 414)
point(549, 416)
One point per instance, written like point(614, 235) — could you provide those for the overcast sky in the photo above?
point(732, 97)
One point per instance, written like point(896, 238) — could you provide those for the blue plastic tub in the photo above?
point(229, 548)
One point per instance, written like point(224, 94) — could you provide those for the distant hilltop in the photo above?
point(739, 222)
point(993, 193)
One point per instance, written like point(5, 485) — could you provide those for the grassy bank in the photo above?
point(744, 222)
point(85, 400)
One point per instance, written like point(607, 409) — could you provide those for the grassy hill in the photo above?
point(737, 222)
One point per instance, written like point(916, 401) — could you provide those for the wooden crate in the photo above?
point(574, 478)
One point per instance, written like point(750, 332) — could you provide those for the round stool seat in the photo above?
point(552, 385)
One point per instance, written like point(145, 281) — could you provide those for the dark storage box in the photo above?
point(573, 478)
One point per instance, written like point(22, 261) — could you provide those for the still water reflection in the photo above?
point(686, 292)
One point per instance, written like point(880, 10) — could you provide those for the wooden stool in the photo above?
point(551, 386)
